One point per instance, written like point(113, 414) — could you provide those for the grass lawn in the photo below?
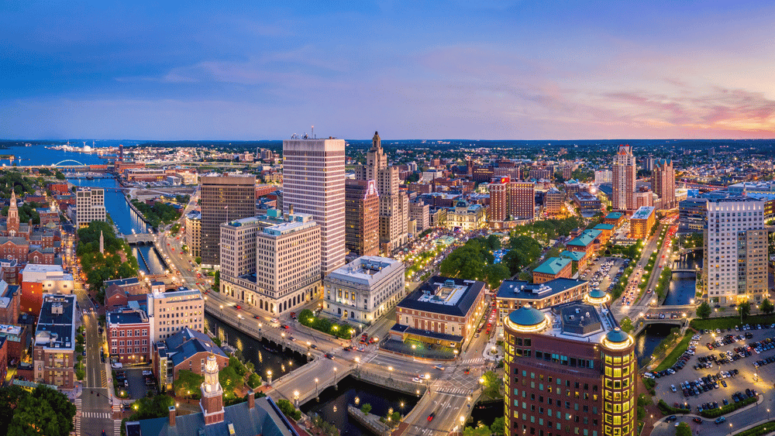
point(677, 352)
point(731, 322)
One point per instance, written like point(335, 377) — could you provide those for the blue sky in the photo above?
point(416, 69)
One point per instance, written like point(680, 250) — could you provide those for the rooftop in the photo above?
point(522, 290)
point(296, 222)
point(56, 326)
point(576, 320)
point(587, 237)
point(642, 213)
point(553, 265)
point(603, 227)
point(614, 216)
point(186, 343)
point(573, 255)
point(367, 270)
point(444, 296)
point(127, 317)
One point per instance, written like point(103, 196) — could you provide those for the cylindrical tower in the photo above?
point(619, 370)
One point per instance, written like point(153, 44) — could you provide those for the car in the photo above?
point(671, 418)
point(417, 379)
point(720, 420)
point(439, 367)
point(284, 326)
point(330, 356)
point(672, 388)
point(238, 307)
point(697, 420)
point(431, 416)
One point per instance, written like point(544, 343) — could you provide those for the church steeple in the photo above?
point(12, 222)
point(212, 393)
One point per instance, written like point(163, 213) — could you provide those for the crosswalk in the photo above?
point(473, 361)
point(116, 427)
point(454, 391)
point(78, 406)
point(103, 415)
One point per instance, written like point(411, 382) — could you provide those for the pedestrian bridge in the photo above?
point(139, 238)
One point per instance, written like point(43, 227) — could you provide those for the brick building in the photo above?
point(53, 352)
point(185, 350)
point(552, 268)
point(129, 336)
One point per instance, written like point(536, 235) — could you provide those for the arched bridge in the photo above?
point(61, 164)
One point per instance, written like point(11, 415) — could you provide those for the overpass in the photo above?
point(641, 324)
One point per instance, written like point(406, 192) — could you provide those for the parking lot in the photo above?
point(744, 379)
point(136, 381)
point(604, 272)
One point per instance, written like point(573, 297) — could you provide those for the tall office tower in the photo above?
point(521, 200)
point(224, 198)
point(574, 360)
point(393, 204)
point(121, 152)
point(288, 262)
point(623, 197)
point(649, 162)
point(735, 263)
point(420, 213)
point(361, 216)
point(238, 247)
point(313, 183)
point(498, 209)
point(89, 206)
point(663, 182)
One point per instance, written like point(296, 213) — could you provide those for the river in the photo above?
point(683, 284)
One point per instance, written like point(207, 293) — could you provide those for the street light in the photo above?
point(316, 389)
point(296, 398)
point(335, 371)
point(269, 375)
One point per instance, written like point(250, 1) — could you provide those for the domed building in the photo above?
point(570, 370)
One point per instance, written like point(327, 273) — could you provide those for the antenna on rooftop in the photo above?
point(313, 132)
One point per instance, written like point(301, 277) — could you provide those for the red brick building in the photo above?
point(58, 188)
point(129, 336)
point(185, 350)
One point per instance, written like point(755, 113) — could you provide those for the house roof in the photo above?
point(418, 300)
point(553, 265)
point(573, 255)
point(586, 238)
point(522, 290)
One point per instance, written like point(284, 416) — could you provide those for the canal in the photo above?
point(683, 284)
point(262, 354)
point(333, 403)
point(647, 341)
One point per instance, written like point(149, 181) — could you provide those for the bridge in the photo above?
point(641, 323)
point(684, 270)
point(139, 238)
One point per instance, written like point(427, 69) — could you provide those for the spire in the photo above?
point(376, 142)
point(12, 222)
point(212, 393)
point(102, 243)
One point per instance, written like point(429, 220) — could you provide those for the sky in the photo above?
point(486, 69)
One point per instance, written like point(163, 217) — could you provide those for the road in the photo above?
point(96, 411)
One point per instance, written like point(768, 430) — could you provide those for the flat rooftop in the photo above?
point(56, 327)
point(444, 295)
point(522, 290)
point(366, 270)
point(642, 213)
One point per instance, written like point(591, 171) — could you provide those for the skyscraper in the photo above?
point(521, 200)
point(314, 183)
point(362, 217)
point(735, 244)
point(624, 172)
point(224, 198)
point(393, 204)
point(89, 206)
point(663, 182)
point(498, 209)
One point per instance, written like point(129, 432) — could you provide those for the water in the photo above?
point(485, 413)
point(381, 401)
point(683, 284)
point(155, 265)
point(646, 342)
point(39, 155)
point(255, 351)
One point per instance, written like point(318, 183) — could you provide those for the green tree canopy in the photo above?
point(187, 384)
point(42, 412)
point(744, 309)
point(766, 306)
point(704, 310)
point(683, 429)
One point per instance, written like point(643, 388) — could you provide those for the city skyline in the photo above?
point(492, 70)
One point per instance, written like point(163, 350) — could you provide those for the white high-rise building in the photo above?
point(735, 263)
point(313, 183)
point(89, 206)
point(603, 176)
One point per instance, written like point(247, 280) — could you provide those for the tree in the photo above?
point(704, 310)
point(626, 325)
point(496, 274)
point(187, 384)
point(59, 175)
point(254, 380)
point(492, 385)
point(366, 408)
point(744, 309)
point(766, 306)
point(44, 411)
point(9, 398)
point(229, 379)
point(498, 426)
point(288, 410)
point(480, 430)
point(683, 430)
point(198, 260)
point(217, 280)
point(494, 242)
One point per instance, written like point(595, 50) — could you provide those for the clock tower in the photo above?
point(212, 393)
